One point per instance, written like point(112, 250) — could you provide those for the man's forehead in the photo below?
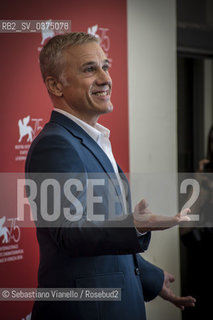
point(86, 53)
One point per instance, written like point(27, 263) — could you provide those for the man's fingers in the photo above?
point(184, 301)
point(142, 205)
point(185, 212)
point(184, 215)
point(167, 294)
point(145, 220)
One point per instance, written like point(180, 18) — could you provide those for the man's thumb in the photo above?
point(142, 205)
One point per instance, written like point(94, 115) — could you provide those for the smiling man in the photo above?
point(85, 253)
point(85, 87)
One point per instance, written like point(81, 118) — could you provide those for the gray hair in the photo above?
point(51, 63)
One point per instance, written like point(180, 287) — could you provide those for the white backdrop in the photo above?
point(152, 119)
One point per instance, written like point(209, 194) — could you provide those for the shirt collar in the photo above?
point(93, 132)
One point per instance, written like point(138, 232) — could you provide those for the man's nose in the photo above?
point(103, 77)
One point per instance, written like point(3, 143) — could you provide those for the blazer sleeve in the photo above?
point(53, 155)
point(152, 278)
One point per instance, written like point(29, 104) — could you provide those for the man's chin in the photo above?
point(104, 110)
point(108, 109)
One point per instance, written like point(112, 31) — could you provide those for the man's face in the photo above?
point(86, 81)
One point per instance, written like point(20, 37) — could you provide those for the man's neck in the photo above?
point(84, 117)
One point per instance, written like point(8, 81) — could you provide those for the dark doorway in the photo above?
point(195, 116)
point(190, 113)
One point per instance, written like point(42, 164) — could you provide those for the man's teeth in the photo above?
point(101, 93)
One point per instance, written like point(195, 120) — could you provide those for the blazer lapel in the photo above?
point(88, 143)
point(86, 140)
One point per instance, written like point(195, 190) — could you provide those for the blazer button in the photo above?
point(137, 271)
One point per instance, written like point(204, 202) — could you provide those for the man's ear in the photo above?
point(53, 86)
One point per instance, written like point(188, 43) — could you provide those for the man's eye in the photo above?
point(106, 67)
point(89, 69)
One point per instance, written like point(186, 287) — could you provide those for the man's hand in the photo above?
point(167, 294)
point(145, 220)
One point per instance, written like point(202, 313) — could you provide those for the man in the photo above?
point(85, 252)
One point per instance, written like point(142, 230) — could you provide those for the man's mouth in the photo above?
point(101, 93)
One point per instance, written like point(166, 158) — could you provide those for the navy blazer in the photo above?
point(82, 253)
